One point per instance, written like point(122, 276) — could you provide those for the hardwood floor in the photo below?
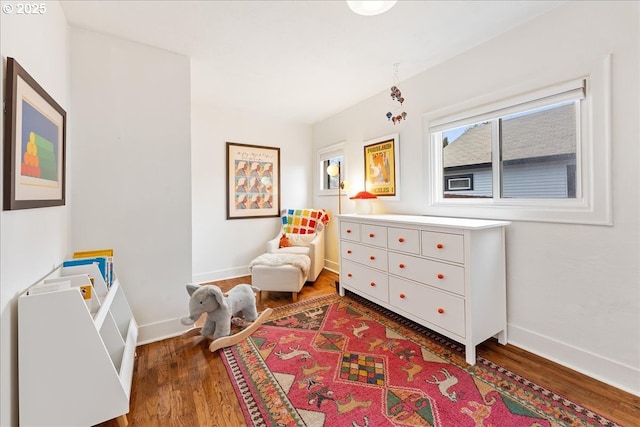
point(179, 382)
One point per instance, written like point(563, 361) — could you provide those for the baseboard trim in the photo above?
point(232, 273)
point(595, 366)
point(213, 276)
point(159, 331)
point(332, 266)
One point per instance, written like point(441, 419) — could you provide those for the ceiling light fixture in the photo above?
point(370, 8)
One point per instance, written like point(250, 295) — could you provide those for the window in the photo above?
point(535, 149)
point(525, 157)
point(457, 183)
point(331, 182)
point(333, 155)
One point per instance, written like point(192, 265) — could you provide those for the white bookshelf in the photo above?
point(75, 355)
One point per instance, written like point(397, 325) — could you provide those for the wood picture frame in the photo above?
point(34, 144)
point(253, 181)
point(381, 172)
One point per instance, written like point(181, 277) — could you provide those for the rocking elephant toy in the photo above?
point(240, 302)
point(220, 308)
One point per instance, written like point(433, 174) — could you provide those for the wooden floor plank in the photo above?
point(181, 383)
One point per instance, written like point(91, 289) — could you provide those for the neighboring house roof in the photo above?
point(546, 133)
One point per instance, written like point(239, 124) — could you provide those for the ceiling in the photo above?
point(301, 61)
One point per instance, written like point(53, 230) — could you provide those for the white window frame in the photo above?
point(324, 154)
point(467, 177)
point(592, 204)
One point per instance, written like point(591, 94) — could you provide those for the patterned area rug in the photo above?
point(344, 361)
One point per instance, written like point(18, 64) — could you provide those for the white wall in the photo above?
point(573, 290)
point(224, 248)
point(131, 166)
point(32, 241)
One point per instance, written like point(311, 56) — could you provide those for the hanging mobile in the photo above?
point(396, 95)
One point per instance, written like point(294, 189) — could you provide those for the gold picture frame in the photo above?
point(381, 166)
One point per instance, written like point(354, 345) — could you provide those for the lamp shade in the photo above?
point(364, 202)
point(333, 169)
point(363, 195)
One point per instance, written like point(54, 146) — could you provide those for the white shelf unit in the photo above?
point(447, 274)
point(75, 356)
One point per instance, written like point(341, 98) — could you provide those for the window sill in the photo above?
point(561, 211)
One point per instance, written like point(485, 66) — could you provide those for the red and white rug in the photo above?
point(336, 361)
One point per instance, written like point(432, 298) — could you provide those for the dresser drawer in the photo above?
point(350, 231)
point(447, 274)
point(439, 308)
point(404, 239)
point(445, 246)
point(366, 280)
point(370, 257)
point(373, 235)
point(443, 276)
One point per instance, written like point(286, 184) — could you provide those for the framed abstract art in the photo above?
point(34, 144)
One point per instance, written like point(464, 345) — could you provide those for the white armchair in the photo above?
point(311, 245)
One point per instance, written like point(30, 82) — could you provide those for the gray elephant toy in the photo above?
point(238, 302)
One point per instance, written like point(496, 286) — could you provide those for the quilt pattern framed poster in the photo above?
point(253, 181)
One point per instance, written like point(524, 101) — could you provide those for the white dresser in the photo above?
point(447, 274)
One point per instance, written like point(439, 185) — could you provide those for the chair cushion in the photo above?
point(300, 239)
point(300, 250)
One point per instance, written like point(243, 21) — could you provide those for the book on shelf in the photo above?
point(93, 253)
point(92, 271)
point(108, 253)
point(102, 257)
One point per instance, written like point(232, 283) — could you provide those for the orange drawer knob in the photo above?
point(372, 257)
point(441, 310)
point(402, 296)
point(401, 239)
point(440, 276)
point(349, 251)
point(372, 235)
point(372, 284)
point(349, 275)
point(348, 230)
point(401, 265)
point(439, 246)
